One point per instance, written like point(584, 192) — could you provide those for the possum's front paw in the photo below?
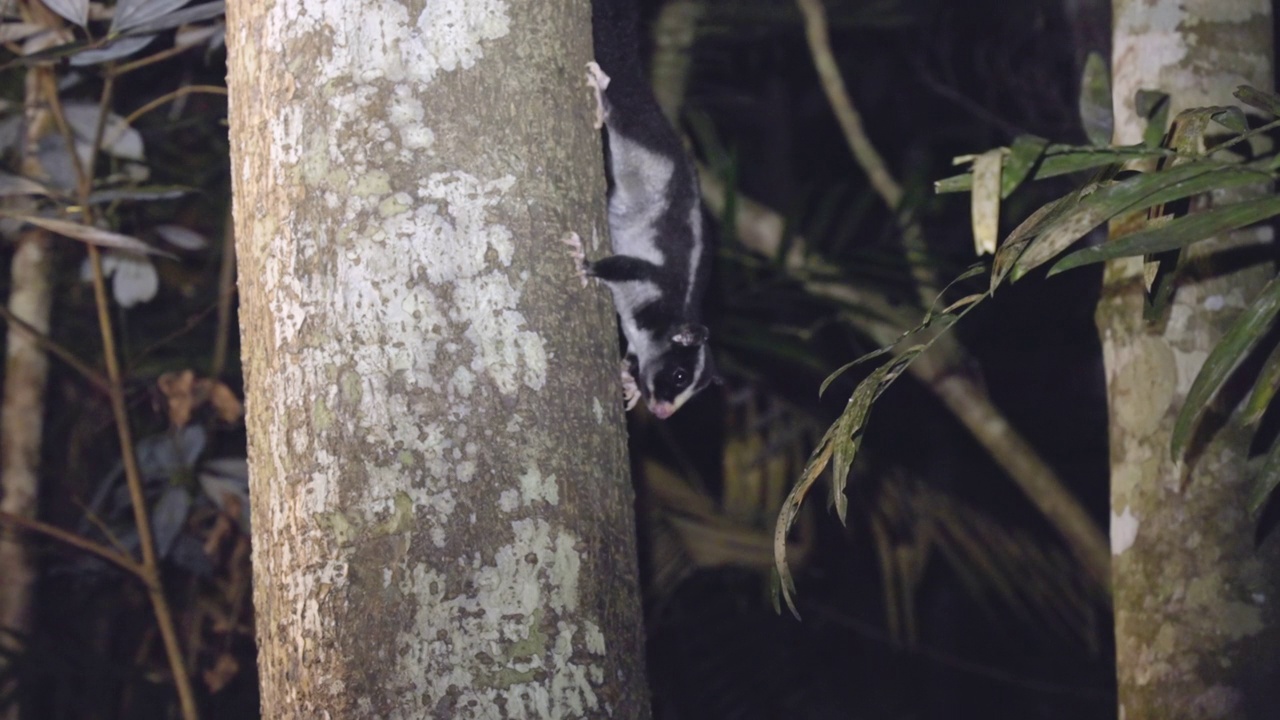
point(630, 390)
point(579, 257)
point(598, 81)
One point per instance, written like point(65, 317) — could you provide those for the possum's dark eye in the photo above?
point(680, 378)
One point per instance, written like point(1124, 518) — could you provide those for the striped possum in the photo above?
point(660, 268)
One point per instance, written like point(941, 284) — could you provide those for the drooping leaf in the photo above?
point(1025, 152)
point(165, 456)
point(77, 11)
point(1231, 118)
point(1234, 345)
point(1268, 478)
point(141, 193)
point(838, 447)
point(133, 278)
point(225, 478)
point(91, 235)
point(37, 50)
point(1264, 389)
point(196, 34)
point(1174, 234)
point(208, 11)
point(168, 516)
point(11, 185)
point(1059, 160)
point(1095, 101)
point(114, 50)
point(1016, 243)
point(181, 237)
point(15, 31)
point(189, 554)
point(1136, 193)
point(1266, 102)
point(1153, 107)
point(984, 200)
point(118, 138)
point(130, 14)
point(784, 584)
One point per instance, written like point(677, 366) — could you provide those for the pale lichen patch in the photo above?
point(1124, 531)
point(499, 630)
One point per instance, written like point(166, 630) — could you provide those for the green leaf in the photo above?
point(1023, 155)
point(1264, 389)
point(822, 389)
point(1063, 159)
point(113, 50)
point(1267, 480)
point(984, 201)
point(1233, 346)
point(131, 13)
point(1266, 102)
point(1231, 118)
point(1136, 193)
point(89, 234)
point(1014, 245)
point(207, 11)
point(1059, 160)
point(1152, 106)
point(1095, 101)
point(142, 192)
point(1175, 233)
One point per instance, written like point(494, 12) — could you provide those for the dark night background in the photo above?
point(947, 595)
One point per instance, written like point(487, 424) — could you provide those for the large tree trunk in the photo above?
point(1195, 602)
point(442, 515)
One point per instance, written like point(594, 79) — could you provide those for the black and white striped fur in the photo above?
point(660, 267)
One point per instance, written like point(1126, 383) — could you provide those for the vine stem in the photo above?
point(150, 567)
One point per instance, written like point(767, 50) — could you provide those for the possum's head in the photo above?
point(679, 372)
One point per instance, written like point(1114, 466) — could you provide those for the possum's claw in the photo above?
point(579, 257)
point(598, 81)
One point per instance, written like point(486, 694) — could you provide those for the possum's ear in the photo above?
point(690, 335)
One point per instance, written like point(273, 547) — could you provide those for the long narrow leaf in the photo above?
point(1266, 102)
point(1264, 389)
point(1059, 160)
point(1267, 480)
point(1175, 234)
point(207, 11)
point(1024, 154)
point(77, 11)
point(1136, 193)
point(123, 47)
point(1233, 346)
point(89, 234)
point(132, 13)
point(984, 201)
point(1095, 101)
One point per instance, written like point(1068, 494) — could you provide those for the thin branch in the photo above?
point(50, 346)
point(150, 59)
point(192, 323)
point(171, 96)
point(818, 36)
point(815, 30)
point(133, 476)
point(122, 561)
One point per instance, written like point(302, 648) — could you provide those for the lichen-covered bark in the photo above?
point(1195, 602)
point(441, 506)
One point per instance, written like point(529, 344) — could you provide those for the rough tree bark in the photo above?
point(1195, 602)
point(442, 515)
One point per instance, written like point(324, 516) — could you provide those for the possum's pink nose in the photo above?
point(662, 410)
